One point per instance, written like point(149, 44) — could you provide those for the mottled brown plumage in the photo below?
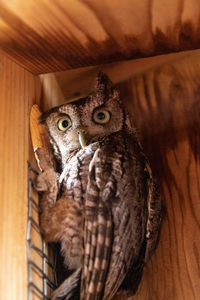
point(103, 207)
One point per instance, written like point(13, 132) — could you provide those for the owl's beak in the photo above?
point(82, 138)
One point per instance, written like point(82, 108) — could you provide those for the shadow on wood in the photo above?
point(165, 104)
point(49, 36)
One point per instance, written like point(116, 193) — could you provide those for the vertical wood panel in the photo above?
point(18, 90)
point(165, 104)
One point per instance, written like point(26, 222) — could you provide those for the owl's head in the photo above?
point(73, 126)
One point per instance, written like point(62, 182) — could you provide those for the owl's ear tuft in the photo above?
point(116, 94)
point(103, 83)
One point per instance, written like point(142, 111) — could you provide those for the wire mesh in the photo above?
point(40, 255)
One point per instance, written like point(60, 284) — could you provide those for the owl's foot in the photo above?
point(48, 180)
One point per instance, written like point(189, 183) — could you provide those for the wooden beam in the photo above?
point(55, 35)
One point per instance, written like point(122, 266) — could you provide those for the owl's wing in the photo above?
point(152, 223)
point(97, 237)
point(124, 259)
point(113, 232)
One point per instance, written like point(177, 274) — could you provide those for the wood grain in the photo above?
point(19, 89)
point(54, 35)
point(165, 103)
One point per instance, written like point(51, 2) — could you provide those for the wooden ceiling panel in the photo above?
point(54, 35)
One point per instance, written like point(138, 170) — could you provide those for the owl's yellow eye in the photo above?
point(101, 116)
point(64, 123)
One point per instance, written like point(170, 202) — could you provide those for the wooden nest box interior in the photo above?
point(50, 53)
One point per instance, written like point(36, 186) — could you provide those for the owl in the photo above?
point(100, 202)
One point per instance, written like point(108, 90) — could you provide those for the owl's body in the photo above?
point(108, 216)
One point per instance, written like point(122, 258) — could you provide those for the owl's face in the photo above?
point(76, 125)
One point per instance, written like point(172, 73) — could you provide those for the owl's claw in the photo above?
point(40, 183)
point(47, 181)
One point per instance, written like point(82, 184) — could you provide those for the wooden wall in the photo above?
point(18, 91)
point(166, 106)
point(165, 103)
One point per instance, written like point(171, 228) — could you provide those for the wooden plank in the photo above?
point(55, 35)
point(19, 89)
point(165, 103)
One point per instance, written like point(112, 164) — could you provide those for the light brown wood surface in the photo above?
point(165, 103)
point(18, 90)
point(54, 35)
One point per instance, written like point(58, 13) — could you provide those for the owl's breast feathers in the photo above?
point(112, 183)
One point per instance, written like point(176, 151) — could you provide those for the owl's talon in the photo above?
point(47, 181)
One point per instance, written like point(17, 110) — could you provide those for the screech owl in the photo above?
point(103, 206)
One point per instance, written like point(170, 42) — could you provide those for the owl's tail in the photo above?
point(69, 289)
